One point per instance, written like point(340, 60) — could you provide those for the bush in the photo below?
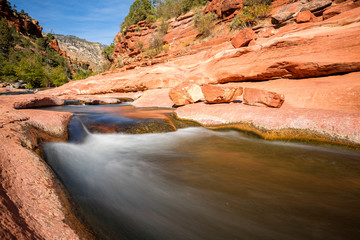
point(253, 11)
point(164, 27)
point(205, 23)
point(107, 52)
point(166, 9)
point(155, 45)
point(31, 71)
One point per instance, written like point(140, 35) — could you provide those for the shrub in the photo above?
point(164, 27)
point(166, 48)
point(140, 45)
point(155, 45)
point(253, 11)
point(107, 52)
point(205, 23)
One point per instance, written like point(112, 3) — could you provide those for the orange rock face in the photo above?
point(220, 94)
point(243, 38)
point(258, 97)
point(186, 93)
point(223, 7)
point(305, 16)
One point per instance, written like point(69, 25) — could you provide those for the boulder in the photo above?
point(281, 17)
point(243, 38)
point(220, 94)
point(33, 101)
point(316, 5)
point(305, 16)
point(186, 93)
point(259, 97)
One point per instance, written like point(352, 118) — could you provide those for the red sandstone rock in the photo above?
point(281, 17)
point(289, 123)
point(294, 52)
point(186, 93)
point(154, 98)
point(340, 8)
point(267, 32)
point(23, 24)
point(316, 5)
point(305, 16)
point(30, 204)
point(223, 7)
point(33, 101)
point(55, 45)
point(220, 94)
point(258, 97)
point(243, 38)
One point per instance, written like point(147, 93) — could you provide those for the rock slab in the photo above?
point(186, 93)
point(220, 94)
point(243, 38)
point(259, 97)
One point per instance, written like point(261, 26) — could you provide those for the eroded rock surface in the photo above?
point(31, 203)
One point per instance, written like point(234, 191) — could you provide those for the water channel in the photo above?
point(134, 177)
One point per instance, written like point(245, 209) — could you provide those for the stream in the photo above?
point(133, 177)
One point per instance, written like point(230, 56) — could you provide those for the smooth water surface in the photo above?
point(201, 184)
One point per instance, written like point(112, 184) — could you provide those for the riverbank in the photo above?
point(28, 182)
point(314, 65)
point(33, 203)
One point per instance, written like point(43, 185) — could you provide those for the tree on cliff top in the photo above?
point(151, 10)
point(140, 10)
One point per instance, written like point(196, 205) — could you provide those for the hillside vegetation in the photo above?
point(29, 57)
point(158, 10)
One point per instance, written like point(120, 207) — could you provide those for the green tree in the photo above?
point(57, 76)
point(107, 52)
point(6, 37)
point(31, 70)
point(140, 10)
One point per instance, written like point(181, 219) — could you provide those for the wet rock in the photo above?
point(243, 38)
point(33, 101)
point(291, 123)
point(258, 97)
point(186, 93)
point(305, 16)
point(220, 94)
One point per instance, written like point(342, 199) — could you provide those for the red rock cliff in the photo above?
point(24, 24)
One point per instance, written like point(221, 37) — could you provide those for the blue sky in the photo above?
point(93, 20)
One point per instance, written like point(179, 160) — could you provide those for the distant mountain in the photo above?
point(83, 50)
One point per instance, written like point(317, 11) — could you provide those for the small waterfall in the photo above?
point(201, 184)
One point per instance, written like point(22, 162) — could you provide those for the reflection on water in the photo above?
point(200, 184)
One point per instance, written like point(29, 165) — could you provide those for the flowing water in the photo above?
point(195, 183)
